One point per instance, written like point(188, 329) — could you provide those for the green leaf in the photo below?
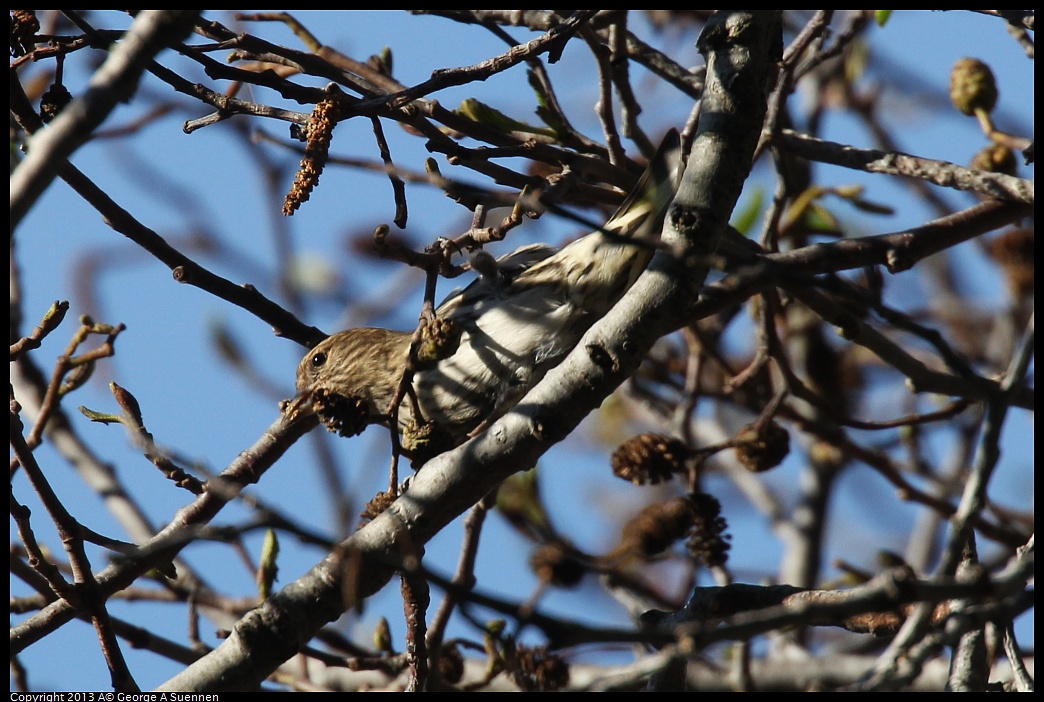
point(750, 212)
point(492, 117)
point(102, 417)
point(266, 572)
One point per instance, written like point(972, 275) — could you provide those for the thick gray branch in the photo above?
point(741, 50)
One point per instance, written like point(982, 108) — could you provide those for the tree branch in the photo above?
point(742, 50)
point(115, 82)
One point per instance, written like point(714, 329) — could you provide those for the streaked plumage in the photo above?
point(519, 319)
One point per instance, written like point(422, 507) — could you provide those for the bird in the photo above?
point(487, 344)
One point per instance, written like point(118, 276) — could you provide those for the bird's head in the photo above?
point(351, 378)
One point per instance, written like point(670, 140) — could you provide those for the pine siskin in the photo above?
point(496, 338)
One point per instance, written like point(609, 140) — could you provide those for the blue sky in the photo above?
point(195, 404)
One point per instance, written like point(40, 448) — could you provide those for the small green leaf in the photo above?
point(266, 572)
point(750, 212)
point(102, 417)
point(820, 219)
point(382, 639)
point(492, 117)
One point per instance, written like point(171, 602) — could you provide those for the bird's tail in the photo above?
point(602, 266)
point(641, 214)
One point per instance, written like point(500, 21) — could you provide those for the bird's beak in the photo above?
point(298, 406)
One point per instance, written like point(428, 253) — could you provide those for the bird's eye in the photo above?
point(318, 359)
